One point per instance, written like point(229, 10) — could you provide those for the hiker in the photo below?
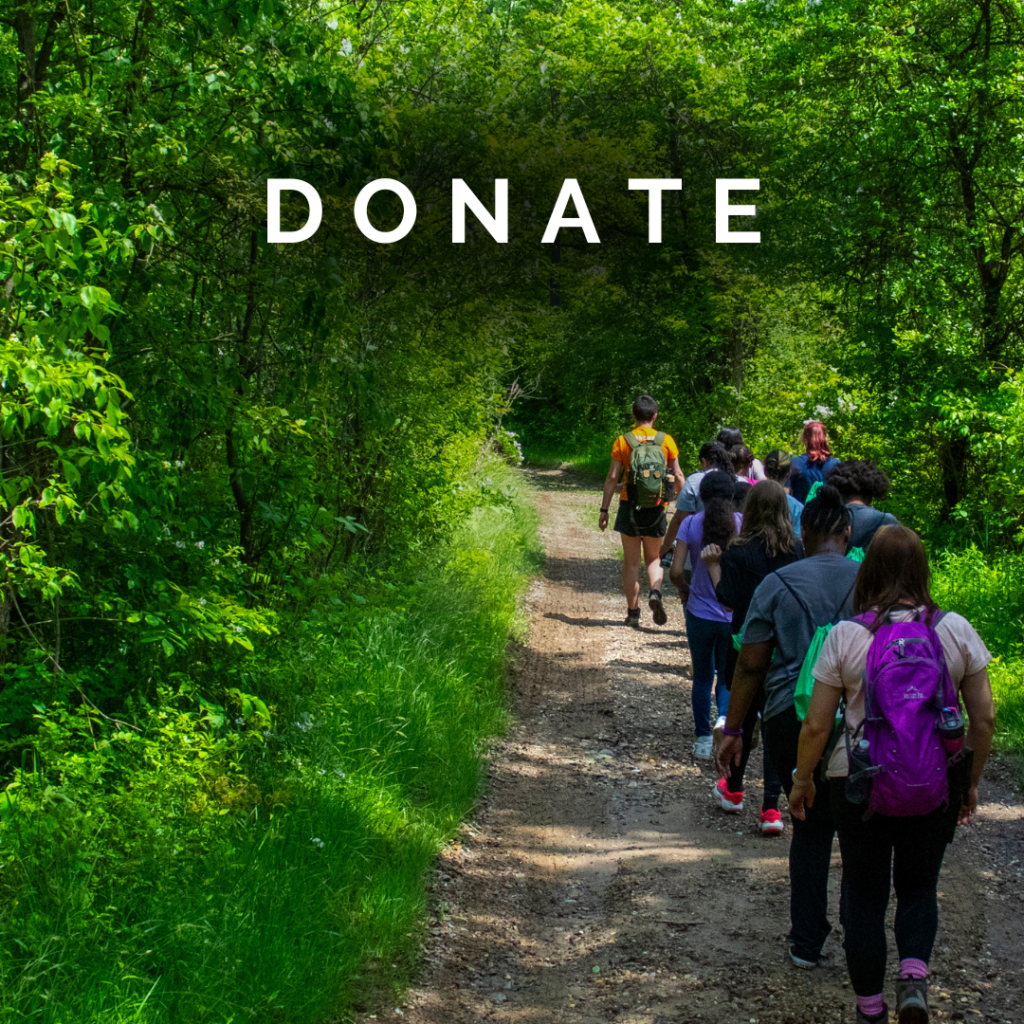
point(712, 456)
point(784, 616)
point(728, 438)
point(708, 623)
point(645, 459)
point(860, 483)
point(811, 467)
point(742, 462)
point(901, 827)
point(777, 467)
point(766, 542)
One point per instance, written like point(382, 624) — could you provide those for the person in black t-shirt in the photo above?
point(765, 543)
point(860, 483)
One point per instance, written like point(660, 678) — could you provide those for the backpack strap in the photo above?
point(813, 618)
point(632, 440)
point(659, 438)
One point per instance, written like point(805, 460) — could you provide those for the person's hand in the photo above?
point(602, 522)
point(684, 591)
point(728, 754)
point(969, 807)
point(711, 553)
point(801, 796)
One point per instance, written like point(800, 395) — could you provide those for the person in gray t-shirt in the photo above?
point(786, 610)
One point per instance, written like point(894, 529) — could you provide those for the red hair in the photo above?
point(816, 442)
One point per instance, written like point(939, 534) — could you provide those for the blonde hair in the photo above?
point(766, 517)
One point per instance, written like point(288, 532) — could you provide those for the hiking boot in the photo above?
point(702, 748)
point(657, 608)
point(772, 823)
point(912, 1000)
point(633, 617)
point(863, 1018)
point(731, 803)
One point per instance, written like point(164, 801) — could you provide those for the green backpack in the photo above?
point(648, 467)
point(805, 681)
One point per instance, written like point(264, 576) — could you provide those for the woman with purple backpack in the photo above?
point(900, 773)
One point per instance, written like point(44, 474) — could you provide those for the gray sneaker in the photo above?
point(912, 1000)
point(702, 748)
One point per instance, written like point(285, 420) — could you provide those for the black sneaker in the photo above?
point(912, 1000)
point(633, 617)
point(657, 608)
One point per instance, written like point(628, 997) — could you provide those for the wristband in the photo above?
point(726, 731)
point(603, 511)
point(802, 782)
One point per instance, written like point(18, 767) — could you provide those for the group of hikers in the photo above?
point(809, 617)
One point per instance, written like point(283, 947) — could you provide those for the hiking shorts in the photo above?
point(650, 522)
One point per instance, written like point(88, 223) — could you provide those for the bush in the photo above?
point(196, 863)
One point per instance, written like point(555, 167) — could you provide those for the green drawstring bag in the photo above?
point(737, 640)
point(805, 681)
point(855, 554)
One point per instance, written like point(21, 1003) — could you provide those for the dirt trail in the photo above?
point(600, 883)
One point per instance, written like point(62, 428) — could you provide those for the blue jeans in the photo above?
point(709, 645)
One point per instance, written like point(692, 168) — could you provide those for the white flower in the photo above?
point(179, 543)
point(317, 842)
point(200, 544)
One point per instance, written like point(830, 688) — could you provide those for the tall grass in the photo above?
point(989, 592)
point(310, 901)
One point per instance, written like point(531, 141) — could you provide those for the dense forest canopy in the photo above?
point(209, 442)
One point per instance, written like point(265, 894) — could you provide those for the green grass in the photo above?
point(305, 906)
point(989, 592)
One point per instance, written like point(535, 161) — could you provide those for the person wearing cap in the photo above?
point(777, 466)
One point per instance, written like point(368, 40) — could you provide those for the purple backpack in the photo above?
point(896, 754)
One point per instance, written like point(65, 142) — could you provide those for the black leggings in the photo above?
point(911, 850)
point(734, 782)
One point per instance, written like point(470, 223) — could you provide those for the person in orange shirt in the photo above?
point(641, 529)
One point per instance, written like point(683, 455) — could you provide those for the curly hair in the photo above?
point(825, 515)
point(766, 518)
point(717, 493)
point(717, 457)
point(859, 478)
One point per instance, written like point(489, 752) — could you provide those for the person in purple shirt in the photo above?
point(708, 623)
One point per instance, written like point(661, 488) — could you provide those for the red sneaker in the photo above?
point(772, 823)
point(731, 803)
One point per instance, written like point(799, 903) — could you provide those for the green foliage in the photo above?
point(195, 863)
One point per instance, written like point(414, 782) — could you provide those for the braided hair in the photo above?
point(825, 515)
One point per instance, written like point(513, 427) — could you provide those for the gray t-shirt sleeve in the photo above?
point(688, 496)
point(758, 626)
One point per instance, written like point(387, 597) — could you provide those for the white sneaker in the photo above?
point(702, 748)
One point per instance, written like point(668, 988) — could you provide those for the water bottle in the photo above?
point(951, 730)
point(858, 781)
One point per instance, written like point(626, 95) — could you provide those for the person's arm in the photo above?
point(817, 728)
point(677, 474)
point(976, 692)
point(747, 678)
point(673, 529)
point(677, 572)
point(611, 485)
point(711, 556)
